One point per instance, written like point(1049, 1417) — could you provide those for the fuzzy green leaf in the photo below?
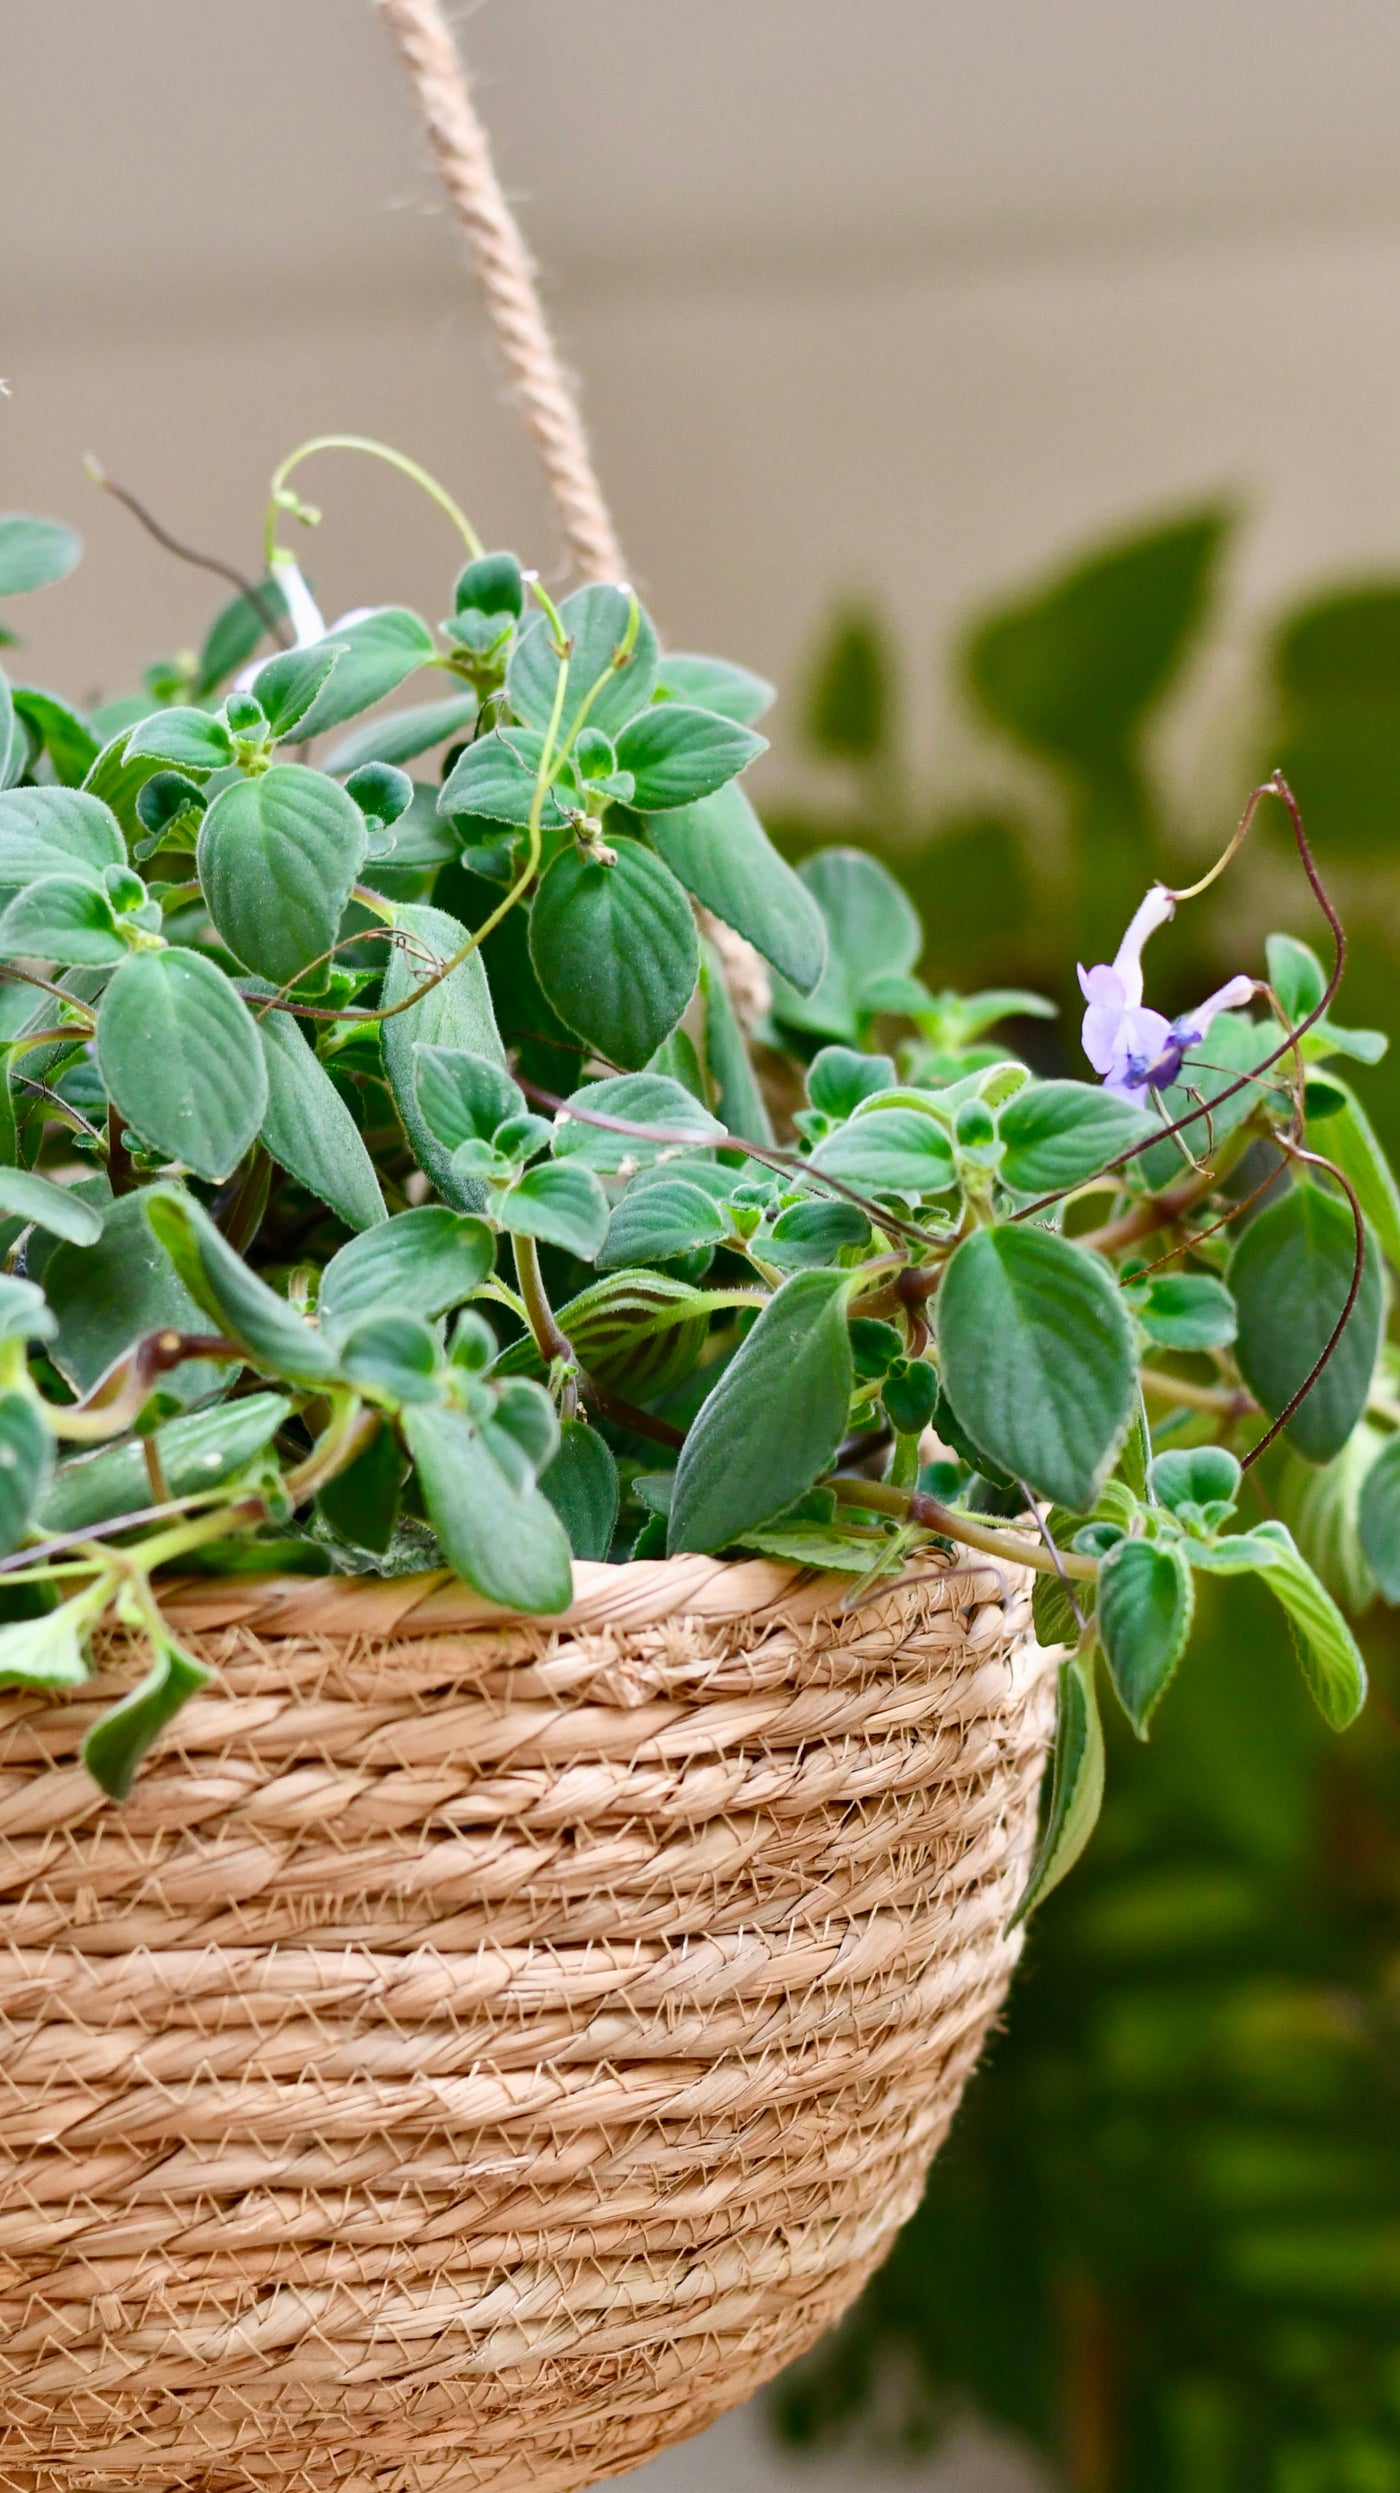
point(1145, 1606)
point(286, 687)
point(677, 755)
point(496, 777)
point(35, 552)
point(26, 1460)
point(643, 1099)
point(46, 1652)
point(1290, 1275)
point(1076, 1791)
point(391, 1356)
point(581, 1485)
point(774, 1420)
point(57, 831)
point(182, 739)
point(1347, 1137)
point(720, 851)
point(456, 1013)
point(198, 1451)
point(505, 1540)
point(116, 1744)
point(596, 621)
point(1060, 1133)
point(309, 1130)
point(422, 1262)
point(63, 918)
point(873, 934)
point(653, 1223)
point(889, 1151)
point(377, 654)
point(1185, 1311)
point(1327, 1650)
point(277, 858)
point(561, 1202)
point(266, 1328)
point(615, 950)
point(181, 1059)
point(1038, 1358)
point(464, 1097)
point(27, 1197)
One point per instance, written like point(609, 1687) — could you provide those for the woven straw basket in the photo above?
point(483, 2049)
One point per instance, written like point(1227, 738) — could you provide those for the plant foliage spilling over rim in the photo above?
point(387, 1181)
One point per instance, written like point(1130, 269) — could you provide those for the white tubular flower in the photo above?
point(303, 613)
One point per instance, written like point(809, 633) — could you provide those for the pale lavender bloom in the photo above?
point(1135, 1049)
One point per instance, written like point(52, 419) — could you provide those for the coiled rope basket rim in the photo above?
point(484, 2049)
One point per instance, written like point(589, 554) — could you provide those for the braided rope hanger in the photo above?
point(546, 394)
point(548, 401)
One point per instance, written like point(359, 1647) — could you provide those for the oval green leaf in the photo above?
point(1076, 1788)
point(63, 918)
point(310, 1131)
point(455, 1013)
point(1037, 1358)
point(677, 755)
point(1144, 1611)
point(582, 1486)
point(181, 1059)
point(1290, 1275)
point(561, 1202)
point(774, 1420)
point(26, 1460)
point(889, 1151)
point(57, 831)
point(197, 1451)
point(720, 851)
point(596, 621)
point(35, 552)
point(421, 1262)
point(504, 1539)
point(1060, 1133)
point(377, 654)
point(615, 950)
point(277, 858)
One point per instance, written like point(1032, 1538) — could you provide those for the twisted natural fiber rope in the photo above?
point(483, 2049)
point(463, 154)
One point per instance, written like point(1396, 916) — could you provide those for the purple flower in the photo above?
point(1136, 1049)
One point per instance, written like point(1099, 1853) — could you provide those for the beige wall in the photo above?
point(866, 293)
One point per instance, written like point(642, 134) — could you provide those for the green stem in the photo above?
point(374, 450)
point(550, 1341)
point(916, 1506)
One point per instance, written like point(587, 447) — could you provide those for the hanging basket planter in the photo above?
point(484, 2049)
point(521, 1708)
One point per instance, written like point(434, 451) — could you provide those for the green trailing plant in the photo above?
point(388, 1184)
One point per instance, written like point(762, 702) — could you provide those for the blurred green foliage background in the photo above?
point(1163, 2242)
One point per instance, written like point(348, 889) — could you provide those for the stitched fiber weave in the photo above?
point(482, 2050)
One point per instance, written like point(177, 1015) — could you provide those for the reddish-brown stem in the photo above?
point(783, 1162)
point(1315, 1160)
